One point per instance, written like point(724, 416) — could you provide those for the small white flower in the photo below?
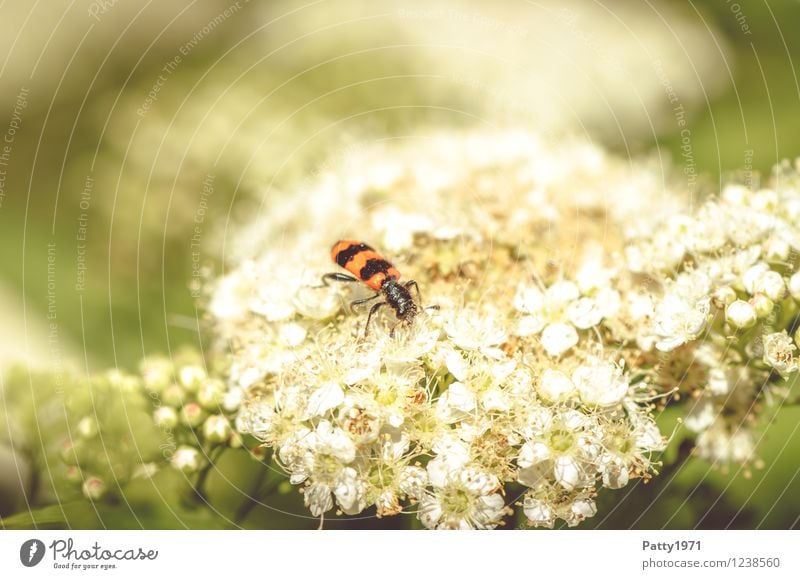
point(349, 492)
point(87, 427)
point(567, 472)
point(473, 331)
point(334, 442)
point(582, 508)
point(529, 300)
point(257, 417)
point(779, 353)
point(762, 305)
point(678, 321)
point(615, 472)
point(451, 456)
point(412, 481)
point(600, 383)
point(318, 499)
point(725, 444)
point(558, 452)
point(156, 373)
point(456, 364)
point(718, 382)
point(467, 500)
point(539, 512)
point(723, 296)
point(701, 415)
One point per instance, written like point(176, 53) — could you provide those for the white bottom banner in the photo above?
point(331, 554)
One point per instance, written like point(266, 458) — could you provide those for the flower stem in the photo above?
point(198, 492)
point(255, 495)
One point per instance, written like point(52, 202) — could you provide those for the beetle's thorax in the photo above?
point(399, 298)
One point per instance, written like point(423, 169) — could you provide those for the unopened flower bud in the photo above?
point(794, 286)
point(771, 284)
point(232, 399)
point(735, 194)
point(763, 305)
point(191, 377)
point(777, 250)
point(753, 275)
point(235, 440)
point(173, 396)
point(555, 386)
point(165, 417)
point(211, 394)
point(723, 296)
point(69, 452)
point(187, 459)
point(73, 474)
point(157, 374)
point(94, 488)
point(192, 414)
point(87, 427)
point(216, 429)
point(741, 314)
point(259, 452)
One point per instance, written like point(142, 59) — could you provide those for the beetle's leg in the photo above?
point(363, 301)
point(411, 283)
point(372, 311)
point(415, 285)
point(337, 277)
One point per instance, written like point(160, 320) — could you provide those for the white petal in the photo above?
point(456, 365)
point(600, 383)
point(584, 313)
point(430, 511)
point(529, 300)
point(566, 472)
point(555, 386)
point(456, 403)
point(318, 499)
point(538, 512)
point(529, 325)
point(324, 398)
point(532, 453)
point(558, 338)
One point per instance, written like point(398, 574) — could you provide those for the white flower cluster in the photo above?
point(504, 395)
point(729, 290)
point(444, 418)
point(568, 310)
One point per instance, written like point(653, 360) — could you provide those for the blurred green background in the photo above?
point(118, 114)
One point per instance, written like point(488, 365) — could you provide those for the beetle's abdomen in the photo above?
point(363, 262)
